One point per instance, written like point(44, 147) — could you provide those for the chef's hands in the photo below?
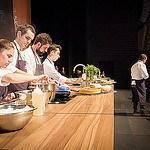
point(75, 80)
point(41, 79)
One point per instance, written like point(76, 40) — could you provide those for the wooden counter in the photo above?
point(85, 123)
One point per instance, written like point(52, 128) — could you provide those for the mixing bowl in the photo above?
point(14, 117)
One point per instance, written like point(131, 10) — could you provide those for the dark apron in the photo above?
point(21, 64)
point(39, 69)
point(39, 66)
point(3, 92)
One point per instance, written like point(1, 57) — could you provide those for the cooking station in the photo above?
point(84, 122)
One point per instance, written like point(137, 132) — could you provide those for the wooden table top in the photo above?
point(86, 122)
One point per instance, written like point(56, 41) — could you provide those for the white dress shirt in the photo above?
point(50, 70)
point(139, 71)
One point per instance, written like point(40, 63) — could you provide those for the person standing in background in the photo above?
point(139, 74)
point(24, 35)
point(40, 45)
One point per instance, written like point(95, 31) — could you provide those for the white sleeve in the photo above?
point(3, 72)
point(52, 72)
point(11, 67)
point(144, 71)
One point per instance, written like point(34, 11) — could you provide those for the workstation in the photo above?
point(84, 122)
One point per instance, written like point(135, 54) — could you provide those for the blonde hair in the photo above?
point(5, 45)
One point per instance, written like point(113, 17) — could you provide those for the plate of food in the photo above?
point(89, 90)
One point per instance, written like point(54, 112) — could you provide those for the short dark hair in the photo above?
point(53, 47)
point(43, 38)
point(24, 28)
point(142, 57)
point(5, 45)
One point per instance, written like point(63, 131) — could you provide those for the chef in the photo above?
point(24, 35)
point(40, 45)
point(13, 75)
point(49, 68)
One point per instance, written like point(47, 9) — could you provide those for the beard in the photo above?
point(38, 52)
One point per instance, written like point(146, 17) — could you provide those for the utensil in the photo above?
point(49, 90)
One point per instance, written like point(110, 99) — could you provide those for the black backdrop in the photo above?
point(6, 19)
point(103, 33)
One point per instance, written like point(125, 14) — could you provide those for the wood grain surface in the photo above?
point(84, 123)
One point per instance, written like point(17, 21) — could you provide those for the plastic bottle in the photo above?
point(84, 82)
point(38, 101)
point(103, 74)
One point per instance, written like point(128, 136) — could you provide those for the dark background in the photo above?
point(103, 33)
point(6, 21)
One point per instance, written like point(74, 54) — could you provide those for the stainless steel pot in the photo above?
point(14, 117)
point(25, 97)
point(49, 90)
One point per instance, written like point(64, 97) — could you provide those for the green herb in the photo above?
point(90, 71)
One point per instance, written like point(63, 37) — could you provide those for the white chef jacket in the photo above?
point(31, 60)
point(139, 71)
point(3, 72)
point(50, 70)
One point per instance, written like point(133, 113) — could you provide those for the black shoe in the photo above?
point(136, 113)
point(142, 107)
point(148, 119)
point(142, 112)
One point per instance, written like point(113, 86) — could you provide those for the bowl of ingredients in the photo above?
point(14, 117)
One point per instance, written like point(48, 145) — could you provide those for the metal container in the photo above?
point(25, 97)
point(14, 117)
point(49, 90)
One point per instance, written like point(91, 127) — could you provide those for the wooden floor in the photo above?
point(131, 132)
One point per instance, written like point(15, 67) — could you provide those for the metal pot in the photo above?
point(49, 87)
point(14, 117)
point(49, 90)
point(25, 97)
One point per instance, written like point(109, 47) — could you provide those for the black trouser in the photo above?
point(141, 90)
point(135, 98)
